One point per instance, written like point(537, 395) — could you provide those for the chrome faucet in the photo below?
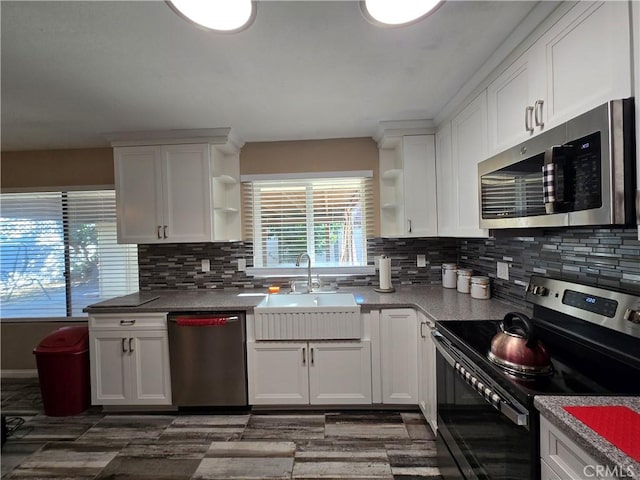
point(298, 260)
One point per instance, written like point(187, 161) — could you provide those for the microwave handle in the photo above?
point(549, 181)
point(552, 171)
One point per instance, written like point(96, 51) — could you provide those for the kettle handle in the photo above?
point(507, 321)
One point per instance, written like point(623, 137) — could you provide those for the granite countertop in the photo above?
point(434, 301)
point(592, 443)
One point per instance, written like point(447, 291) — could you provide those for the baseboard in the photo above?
point(19, 373)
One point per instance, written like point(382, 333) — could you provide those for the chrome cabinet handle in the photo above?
point(528, 117)
point(538, 113)
point(127, 323)
point(130, 346)
point(164, 229)
point(159, 235)
point(422, 325)
point(124, 349)
point(304, 355)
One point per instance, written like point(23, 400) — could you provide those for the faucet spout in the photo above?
point(298, 260)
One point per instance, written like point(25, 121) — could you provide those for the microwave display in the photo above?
point(517, 190)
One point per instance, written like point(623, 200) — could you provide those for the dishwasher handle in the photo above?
point(204, 321)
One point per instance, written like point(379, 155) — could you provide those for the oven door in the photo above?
point(482, 434)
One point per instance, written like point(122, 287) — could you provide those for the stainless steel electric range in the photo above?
point(487, 425)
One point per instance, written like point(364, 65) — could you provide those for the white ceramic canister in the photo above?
point(464, 279)
point(449, 275)
point(480, 288)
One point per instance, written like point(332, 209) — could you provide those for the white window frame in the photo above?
point(298, 271)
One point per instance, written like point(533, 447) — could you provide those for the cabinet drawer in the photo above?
point(563, 456)
point(136, 321)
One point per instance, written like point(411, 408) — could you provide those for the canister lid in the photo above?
point(465, 272)
point(480, 280)
point(449, 266)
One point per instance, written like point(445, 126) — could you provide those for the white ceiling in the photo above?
point(75, 71)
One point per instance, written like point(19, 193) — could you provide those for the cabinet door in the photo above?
point(187, 193)
point(110, 372)
point(469, 147)
point(151, 381)
point(587, 55)
point(278, 373)
point(427, 371)
point(340, 373)
point(138, 180)
point(419, 169)
point(444, 175)
point(399, 356)
point(509, 96)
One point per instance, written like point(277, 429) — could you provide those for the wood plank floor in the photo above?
point(299, 445)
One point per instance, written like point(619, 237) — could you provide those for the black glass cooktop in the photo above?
point(577, 369)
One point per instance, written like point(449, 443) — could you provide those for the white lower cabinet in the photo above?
point(399, 356)
point(561, 458)
point(129, 357)
point(316, 373)
point(427, 400)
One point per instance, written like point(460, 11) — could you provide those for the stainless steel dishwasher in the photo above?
point(207, 353)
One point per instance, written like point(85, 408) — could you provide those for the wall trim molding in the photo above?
point(26, 373)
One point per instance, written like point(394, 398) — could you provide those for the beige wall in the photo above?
point(19, 340)
point(56, 168)
point(333, 155)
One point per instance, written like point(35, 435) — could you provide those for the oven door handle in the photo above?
point(493, 398)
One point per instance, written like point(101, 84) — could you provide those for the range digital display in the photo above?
point(591, 303)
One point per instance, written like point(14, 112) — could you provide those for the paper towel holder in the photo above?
point(385, 290)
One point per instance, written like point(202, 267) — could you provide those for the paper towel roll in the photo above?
point(385, 273)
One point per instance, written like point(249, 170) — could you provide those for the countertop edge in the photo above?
point(435, 302)
point(551, 407)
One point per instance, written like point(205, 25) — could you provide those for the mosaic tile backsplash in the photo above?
point(604, 257)
point(607, 257)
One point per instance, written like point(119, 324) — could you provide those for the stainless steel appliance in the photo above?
point(488, 427)
point(208, 359)
point(578, 173)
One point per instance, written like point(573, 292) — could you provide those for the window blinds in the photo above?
point(330, 218)
point(59, 253)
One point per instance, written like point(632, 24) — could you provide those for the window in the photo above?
point(329, 218)
point(59, 253)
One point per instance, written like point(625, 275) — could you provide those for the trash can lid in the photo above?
point(65, 340)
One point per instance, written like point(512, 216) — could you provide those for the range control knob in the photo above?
point(537, 290)
point(632, 316)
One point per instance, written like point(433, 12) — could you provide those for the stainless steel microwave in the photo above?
point(582, 172)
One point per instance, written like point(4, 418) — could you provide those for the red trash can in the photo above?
point(62, 358)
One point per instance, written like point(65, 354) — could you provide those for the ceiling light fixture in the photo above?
point(228, 16)
point(395, 13)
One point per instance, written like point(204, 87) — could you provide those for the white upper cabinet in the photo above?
point(139, 195)
point(408, 186)
point(468, 148)
point(512, 107)
point(177, 193)
point(582, 61)
point(447, 202)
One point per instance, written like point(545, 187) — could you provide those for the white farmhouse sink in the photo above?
point(308, 316)
point(307, 301)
